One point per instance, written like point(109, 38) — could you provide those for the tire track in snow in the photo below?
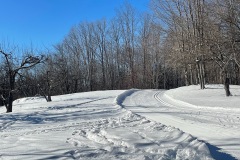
point(222, 123)
point(220, 120)
point(137, 102)
point(160, 100)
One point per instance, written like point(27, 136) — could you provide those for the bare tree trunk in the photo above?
point(49, 97)
point(226, 86)
point(10, 102)
point(12, 75)
point(186, 77)
point(199, 74)
point(42, 93)
point(191, 74)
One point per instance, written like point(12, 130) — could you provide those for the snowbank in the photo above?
point(120, 98)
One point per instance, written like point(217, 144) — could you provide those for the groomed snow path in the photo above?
point(91, 125)
point(218, 127)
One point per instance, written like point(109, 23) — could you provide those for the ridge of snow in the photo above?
point(120, 98)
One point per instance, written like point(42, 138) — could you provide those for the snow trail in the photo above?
point(217, 127)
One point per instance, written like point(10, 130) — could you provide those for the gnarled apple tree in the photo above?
point(12, 70)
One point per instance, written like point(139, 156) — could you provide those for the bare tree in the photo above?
point(13, 70)
point(128, 21)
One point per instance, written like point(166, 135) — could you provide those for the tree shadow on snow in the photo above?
point(217, 154)
point(48, 154)
point(46, 115)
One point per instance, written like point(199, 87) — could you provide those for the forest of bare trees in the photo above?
point(176, 43)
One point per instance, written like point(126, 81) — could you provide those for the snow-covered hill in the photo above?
point(206, 114)
point(91, 125)
point(213, 97)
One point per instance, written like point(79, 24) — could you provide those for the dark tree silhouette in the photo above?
point(12, 71)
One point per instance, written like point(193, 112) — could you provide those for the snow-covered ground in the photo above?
point(94, 125)
point(206, 114)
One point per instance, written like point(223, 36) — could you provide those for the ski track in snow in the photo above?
point(220, 128)
point(91, 125)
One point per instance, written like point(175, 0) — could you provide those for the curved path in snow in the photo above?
point(219, 128)
point(90, 125)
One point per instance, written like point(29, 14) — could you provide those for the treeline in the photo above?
point(203, 38)
point(121, 53)
point(179, 42)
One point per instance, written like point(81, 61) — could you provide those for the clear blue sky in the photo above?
point(46, 22)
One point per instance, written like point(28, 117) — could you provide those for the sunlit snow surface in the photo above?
point(206, 114)
point(92, 125)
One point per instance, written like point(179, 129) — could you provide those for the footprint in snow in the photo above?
point(74, 133)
